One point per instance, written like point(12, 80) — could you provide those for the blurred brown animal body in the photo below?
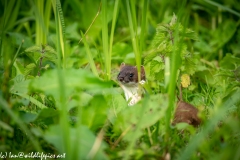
point(186, 113)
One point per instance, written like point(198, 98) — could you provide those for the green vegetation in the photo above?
point(59, 61)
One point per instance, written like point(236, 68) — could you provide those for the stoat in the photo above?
point(128, 78)
point(186, 113)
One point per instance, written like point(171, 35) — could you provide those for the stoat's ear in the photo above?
point(142, 69)
point(122, 65)
point(143, 77)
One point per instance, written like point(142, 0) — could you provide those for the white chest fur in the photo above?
point(133, 92)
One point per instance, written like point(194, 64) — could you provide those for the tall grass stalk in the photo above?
point(8, 20)
point(133, 30)
point(60, 26)
point(115, 14)
point(223, 7)
point(76, 150)
point(61, 79)
point(8, 71)
point(47, 15)
point(137, 42)
point(42, 11)
point(89, 55)
point(105, 39)
point(143, 25)
point(175, 63)
point(11, 13)
point(131, 13)
point(41, 33)
point(174, 66)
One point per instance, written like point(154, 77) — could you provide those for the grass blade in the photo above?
point(223, 7)
point(115, 14)
point(61, 79)
point(105, 39)
point(89, 55)
point(132, 25)
point(60, 26)
point(175, 61)
point(143, 25)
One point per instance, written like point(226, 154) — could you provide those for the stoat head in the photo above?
point(128, 75)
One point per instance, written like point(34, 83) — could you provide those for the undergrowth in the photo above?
point(59, 94)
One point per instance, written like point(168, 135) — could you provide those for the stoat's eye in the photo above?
point(131, 75)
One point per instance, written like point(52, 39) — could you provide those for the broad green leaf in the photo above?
point(47, 115)
point(29, 68)
point(27, 117)
point(35, 56)
point(33, 49)
point(229, 62)
point(73, 79)
point(45, 51)
point(143, 114)
point(117, 103)
point(157, 68)
point(157, 64)
point(20, 85)
point(189, 65)
point(50, 57)
point(226, 30)
point(190, 34)
point(49, 49)
point(94, 115)
point(72, 31)
point(79, 99)
point(85, 142)
point(17, 39)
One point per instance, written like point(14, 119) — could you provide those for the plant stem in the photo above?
point(61, 79)
point(89, 55)
point(105, 39)
point(115, 14)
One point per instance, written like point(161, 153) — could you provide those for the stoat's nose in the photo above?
point(120, 79)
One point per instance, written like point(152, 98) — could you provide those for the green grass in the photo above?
point(59, 61)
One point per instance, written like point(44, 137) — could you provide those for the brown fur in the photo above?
point(187, 113)
point(129, 74)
